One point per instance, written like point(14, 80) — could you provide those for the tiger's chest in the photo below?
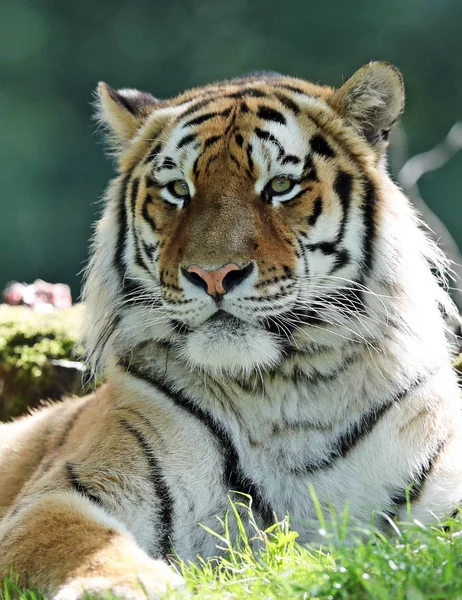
point(275, 456)
point(276, 484)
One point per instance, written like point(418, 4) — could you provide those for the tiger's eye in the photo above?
point(180, 187)
point(279, 185)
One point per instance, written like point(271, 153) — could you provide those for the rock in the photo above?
point(38, 357)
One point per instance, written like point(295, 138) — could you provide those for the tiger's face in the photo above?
point(245, 207)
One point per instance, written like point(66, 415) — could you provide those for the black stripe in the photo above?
point(342, 186)
point(293, 88)
point(290, 158)
point(234, 478)
point(134, 194)
point(242, 93)
point(154, 152)
point(341, 260)
point(318, 377)
point(197, 106)
point(270, 114)
point(70, 424)
point(161, 487)
point(269, 137)
point(317, 211)
point(106, 333)
point(324, 247)
point(196, 167)
point(414, 488)
point(119, 261)
point(247, 91)
point(235, 160)
point(139, 260)
point(369, 203)
point(168, 163)
point(202, 118)
point(78, 486)
point(350, 298)
point(347, 441)
point(309, 170)
point(287, 102)
point(249, 156)
point(149, 249)
point(123, 101)
point(320, 146)
point(211, 140)
point(239, 139)
point(50, 460)
point(146, 215)
point(138, 256)
point(186, 140)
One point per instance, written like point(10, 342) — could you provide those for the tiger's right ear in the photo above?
point(372, 100)
point(123, 111)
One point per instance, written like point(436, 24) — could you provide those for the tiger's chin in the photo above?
point(227, 346)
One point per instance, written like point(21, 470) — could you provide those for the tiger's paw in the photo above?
point(151, 584)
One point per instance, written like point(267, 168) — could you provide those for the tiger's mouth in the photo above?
point(227, 345)
point(226, 320)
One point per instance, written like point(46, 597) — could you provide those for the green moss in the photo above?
point(35, 354)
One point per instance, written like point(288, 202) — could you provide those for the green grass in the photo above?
point(416, 562)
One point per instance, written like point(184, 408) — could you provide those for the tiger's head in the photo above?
point(244, 217)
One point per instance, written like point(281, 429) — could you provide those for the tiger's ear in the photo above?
point(371, 100)
point(123, 111)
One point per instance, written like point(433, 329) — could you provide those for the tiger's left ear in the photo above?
point(123, 111)
point(372, 100)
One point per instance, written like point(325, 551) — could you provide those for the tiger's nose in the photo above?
point(219, 281)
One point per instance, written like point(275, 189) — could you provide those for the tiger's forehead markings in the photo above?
point(218, 94)
point(271, 91)
point(280, 129)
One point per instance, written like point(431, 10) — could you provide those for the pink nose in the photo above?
point(219, 281)
point(214, 279)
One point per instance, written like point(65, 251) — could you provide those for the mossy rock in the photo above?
point(38, 357)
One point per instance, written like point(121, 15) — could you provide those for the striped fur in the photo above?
point(327, 366)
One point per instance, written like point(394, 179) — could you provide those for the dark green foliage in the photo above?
point(37, 357)
point(52, 54)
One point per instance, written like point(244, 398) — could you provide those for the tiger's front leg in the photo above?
point(66, 546)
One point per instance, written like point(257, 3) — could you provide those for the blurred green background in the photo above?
point(53, 53)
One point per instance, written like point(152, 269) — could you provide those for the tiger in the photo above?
point(269, 316)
